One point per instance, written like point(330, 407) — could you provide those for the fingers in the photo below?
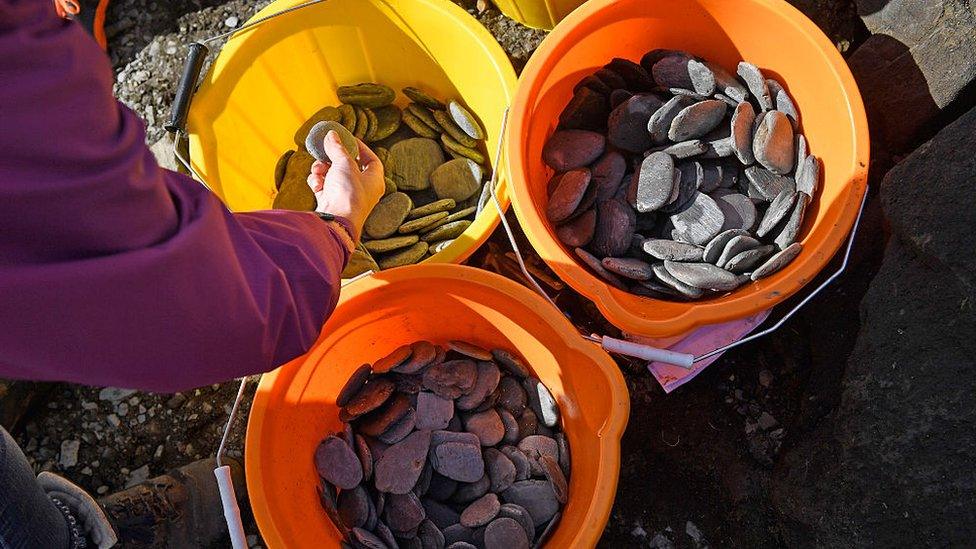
point(367, 157)
point(316, 182)
point(337, 153)
point(320, 168)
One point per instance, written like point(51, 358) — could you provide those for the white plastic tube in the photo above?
point(647, 352)
point(232, 513)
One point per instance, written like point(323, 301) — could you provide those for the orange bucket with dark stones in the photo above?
point(295, 408)
point(769, 33)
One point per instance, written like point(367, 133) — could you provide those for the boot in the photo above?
point(180, 509)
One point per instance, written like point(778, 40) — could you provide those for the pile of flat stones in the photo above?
point(677, 180)
point(459, 448)
point(435, 164)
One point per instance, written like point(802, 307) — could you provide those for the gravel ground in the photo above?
point(106, 439)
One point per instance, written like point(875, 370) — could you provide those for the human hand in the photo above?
point(345, 189)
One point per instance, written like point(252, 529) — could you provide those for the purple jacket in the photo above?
point(114, 271)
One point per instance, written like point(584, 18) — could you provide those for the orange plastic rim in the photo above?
point(295, 406)
point(770, 33)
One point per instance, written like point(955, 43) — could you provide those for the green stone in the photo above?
point(422, 223)
point(445, 232)
point(439, 247)
point(419, 127)
point(368, 95)
point(401, 134)
point(420, 97)
point(362, 123)
point(325, 114)
point(458, 150)
point(279, 173)
point(348, 117)
point(381, 153)
point(373, 125)
point(455, 131)
point(412, 161)
point(359, 262)
point(390, 186)
point(460, 214)
point(444, 205)
point(408, 256)
point(387, 121)
point(389, 244)
point(425, 115)
point(465, 120)
point(294, 193)
point(458, 179)
point(388, 215)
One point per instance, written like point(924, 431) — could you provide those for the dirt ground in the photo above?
point(695, 463)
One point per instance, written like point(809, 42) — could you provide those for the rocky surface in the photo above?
point(724, 460)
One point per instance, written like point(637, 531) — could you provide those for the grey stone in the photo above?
point(801, 152)
point(315, 142)
point(756, 83)
point(671, 71)
point(790, 227)
point(702, 275)
point(660, 122)
point(114, 394)
point(459, 461)
point(772, 143)
point(685, 149)
point(777, 261)
point(767, 184)
point(781, 206)
point(670, 281)
point(736, 246)
point(700, 220)
point(697, 120)
point(738, 209)
point(709, 176)
point(628, 267)
point(702, 77)
point(783, 102)
point(808, 176)
point(542, 401)
point(742, 121)
point(506, 533)
point(465, 120)
point(627, 126)
point(672, 250)
point(571, 149)
point(68, 457)
point(401, 465)
point(536, 497)
point(655, 182)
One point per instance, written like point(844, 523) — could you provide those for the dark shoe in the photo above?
point(90, 13)
point(180, 509)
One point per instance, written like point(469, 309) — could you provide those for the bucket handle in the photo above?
point(649, 352)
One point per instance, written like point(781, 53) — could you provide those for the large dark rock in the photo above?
point(921, 58)
point(893, 465)
point(930, 200)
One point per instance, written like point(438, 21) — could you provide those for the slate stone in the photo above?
point(808, 176)
point(568, 194)
point(488, 379)
point(353, 507)
point(709, 176)
point(511, 362)
point(736, 246)
point(607, 174)
point(411, 162)
point(315, 142)
point(459, 461)
point(685, 188)
point(772, 143)
point(587, 110)
point(615, 224)
point(506, 533)
point(756, 83)
point(627, 125)
point(628, 267)
point(353, 385)
point(783, 102)
point(660, 122)
point(655, 182)
point(789, 229)
point(667, 279)
point(777, 261)
point(550, 466)
point(536, 446)
point(701, 220)
point(743, 119)
point(671, 71)
point(635, 76)
point(465, 120)
point(481, 511)
point(365, 456)
point(780, 207)
point(685, 149)
point(337, 463)
point(738, 209)
point(702, 275)
point(370, 397)
point(697, 120)
point(747, 260)
point(379, 421)
point(727, 85)
point(402, 463)
point(578, 231)
point(433, 412)
point(403, 427)
point(766, 183)
point(672, 250)
point(404, 512)
point(571, 149)
point(487, 426)
point(536, 497)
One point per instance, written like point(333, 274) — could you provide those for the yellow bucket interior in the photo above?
point(271, 78)
point(539, 14)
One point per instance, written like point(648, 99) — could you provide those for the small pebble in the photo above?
point(536, 497)
point(337, 463)
point(655, 182)
point(702, 275)
point(772, 143)
point(808, 176)
point(780, 207)
point(697, 120)
point(506, 533)
point(401, 465)
point(777, 262)
point(571, 149)
point(756, 83)
point(459, 461)
point(481, 511)
point(791, 226)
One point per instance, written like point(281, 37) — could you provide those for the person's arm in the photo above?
point(116, 272)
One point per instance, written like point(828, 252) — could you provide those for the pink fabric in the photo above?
point(114, 271)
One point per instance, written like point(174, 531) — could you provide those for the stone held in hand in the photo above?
point(655, 182)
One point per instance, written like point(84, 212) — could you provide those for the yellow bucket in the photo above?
point(539, 14)
point(271, 78)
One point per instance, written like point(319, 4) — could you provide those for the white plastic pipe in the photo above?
point(232, 513)
point(647, 352)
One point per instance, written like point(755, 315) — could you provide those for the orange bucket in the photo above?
point(295, 405)
point(770, 33)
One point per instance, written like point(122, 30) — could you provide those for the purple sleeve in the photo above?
point(114, 271)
